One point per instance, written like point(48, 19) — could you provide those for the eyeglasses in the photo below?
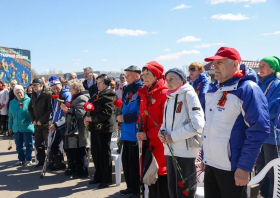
point(192, 69)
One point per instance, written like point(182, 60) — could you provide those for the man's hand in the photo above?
point(64, 107)
point(86, 123)
point(202, 167)
point(141, 136)
point(39, 123)
point(50, 123)
point(117, 126)
point(88, 119)
point(120, 118)
point(34, 122)
point(168, 139)
point(52, 128)
point(10, 131)
point(241, 177)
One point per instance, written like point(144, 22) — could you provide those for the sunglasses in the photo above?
point(192, 69)
point(121, 78)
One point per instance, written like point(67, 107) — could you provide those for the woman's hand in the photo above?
point(120, 118)
point(86, 123)
point(63, 107)
point(10, 131)
point(162, 138)
point(168, 139)
point(141, 136)
point(88, 119)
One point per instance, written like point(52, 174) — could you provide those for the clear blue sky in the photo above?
point(69, 35)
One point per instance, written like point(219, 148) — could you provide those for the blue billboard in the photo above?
point(15, 64)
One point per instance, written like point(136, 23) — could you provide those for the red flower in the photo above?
point(181, 184)
point(3, 104)
point(118, 103)
point(20, 105)
point(67, 104)
point(54, 96)
point(186, 193)
point(88, 106)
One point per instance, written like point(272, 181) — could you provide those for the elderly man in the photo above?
point(237, 124)
point(89, 82)
point(72, 76)
point(39, 110)
point(130, 113)
point(57, 122)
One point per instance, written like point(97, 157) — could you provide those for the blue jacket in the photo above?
point(130, 111)
point(58, 116)
point(202, 84)
point(236, 127)
point(273, 98)
point(19, 120)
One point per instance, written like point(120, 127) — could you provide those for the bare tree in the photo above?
point(34, 74)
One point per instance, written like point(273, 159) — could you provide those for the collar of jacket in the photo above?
point(85, 83)
point(186, 87)
point(24, 98)
point(266, 78)
point(160, 84)
point(80, 93)
point(134, 86)
point(201, 77)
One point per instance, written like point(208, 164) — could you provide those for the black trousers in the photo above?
point(80, 158)
point(4, 122)
point(41, 136)
point(130, 161)
point(221, 184)
point(188, 169)
point(101, 155)
point(55, 150)
point(160, 188)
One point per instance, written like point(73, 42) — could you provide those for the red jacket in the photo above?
point(154, 102)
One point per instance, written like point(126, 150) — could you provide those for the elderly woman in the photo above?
point(4, 100)
point(76, 143)
point(153, 97)
point(182, 123)
point(102, 123)
point(269, 83)
point(199, 79)
point(21, 125)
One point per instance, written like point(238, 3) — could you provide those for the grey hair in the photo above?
point(232, 61)
point(76, 85)
point(88, 69)
point(13, 81)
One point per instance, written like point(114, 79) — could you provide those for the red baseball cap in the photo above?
point(225, 53)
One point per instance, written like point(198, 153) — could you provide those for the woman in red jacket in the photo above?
point(153, 97)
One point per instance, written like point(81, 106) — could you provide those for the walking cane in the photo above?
point(140, 129)
point(50, 141)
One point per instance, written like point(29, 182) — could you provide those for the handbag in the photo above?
point(72, 130)
point(149, 167)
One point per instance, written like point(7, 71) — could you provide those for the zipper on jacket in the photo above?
point(187, 144)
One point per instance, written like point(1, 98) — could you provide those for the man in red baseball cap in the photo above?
point(237, 124)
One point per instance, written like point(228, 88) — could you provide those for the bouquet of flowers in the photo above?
point(88, 107)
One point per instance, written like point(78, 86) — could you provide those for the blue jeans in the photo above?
point(27, 138)
point(268, 153)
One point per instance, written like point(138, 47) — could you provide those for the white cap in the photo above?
point(18, 87)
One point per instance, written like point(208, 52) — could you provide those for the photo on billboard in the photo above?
point(15, 64)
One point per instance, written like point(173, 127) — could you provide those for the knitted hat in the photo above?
point(155, 68)
point(179, 72)
point(53, 80)
point(274, 63)
point(18, 87)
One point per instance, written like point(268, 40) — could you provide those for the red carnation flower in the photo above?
point(88, 107)
point(67, 104)
point(54, 96)
point(181, 184)
point(3, 104)
point(186, 193)
point(118, 103)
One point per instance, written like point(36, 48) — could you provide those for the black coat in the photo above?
point(104, 110)
point(40, 108)
point(92, 89)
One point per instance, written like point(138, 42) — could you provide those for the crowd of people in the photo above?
point(233, 123)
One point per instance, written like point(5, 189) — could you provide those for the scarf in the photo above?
point(263, 79)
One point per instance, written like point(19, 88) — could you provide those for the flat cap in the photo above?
point(133, 68)
point(37, 81)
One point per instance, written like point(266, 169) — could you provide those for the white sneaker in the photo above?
point(19, 163)
point(28, 163)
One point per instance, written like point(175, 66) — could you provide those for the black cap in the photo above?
point(133, 68)
point(37, 81)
